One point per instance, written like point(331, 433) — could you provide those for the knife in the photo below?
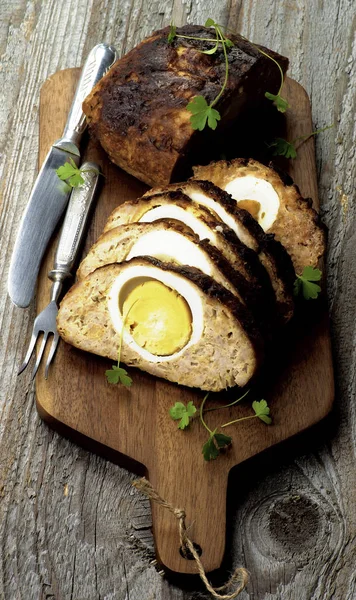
point(49, 196)
point(70, 239)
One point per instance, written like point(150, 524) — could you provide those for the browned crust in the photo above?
point(279, 266)
point(249, 257)
point(244, 218)
point(285, 270)
point(297, 226)
point(257, 299)
point(138, 110)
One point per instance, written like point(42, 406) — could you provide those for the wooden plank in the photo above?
point(135, 422)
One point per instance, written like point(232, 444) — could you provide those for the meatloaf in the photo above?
point(229, 349)
point(138, 110)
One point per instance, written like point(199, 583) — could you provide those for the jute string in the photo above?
point(240, 575)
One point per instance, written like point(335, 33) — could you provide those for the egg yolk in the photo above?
point(252, 206)
point(158, 318)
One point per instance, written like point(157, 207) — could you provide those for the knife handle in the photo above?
point(99, 61)
point(75, 222)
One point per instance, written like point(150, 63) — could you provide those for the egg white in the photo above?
point(168, 211)
point(210, 203)
point(171, 280)
point(170, 245)
point(255, 188)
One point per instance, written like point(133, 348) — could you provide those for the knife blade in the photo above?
point(49, 196)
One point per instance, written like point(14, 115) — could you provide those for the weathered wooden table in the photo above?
point(71, 525)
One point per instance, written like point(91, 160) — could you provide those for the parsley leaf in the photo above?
point(182, 412)
point(280, 103)
point(172, 33)
point(311, 274)
point(201, 113)
point(210, 451)
point(76, 180)
point(288, 149)
point(210, 23)
point(222, 440)
point(305, 283)
point(213, 117)
point(118, 375)
point(283, 148)
point(212, 447)
point(70, 173)
point(262, 411)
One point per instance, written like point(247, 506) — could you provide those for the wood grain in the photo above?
point(135, 422)
point(70, 525)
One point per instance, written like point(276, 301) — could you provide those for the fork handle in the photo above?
point(74, 226)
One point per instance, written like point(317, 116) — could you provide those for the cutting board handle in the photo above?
point(204, 507)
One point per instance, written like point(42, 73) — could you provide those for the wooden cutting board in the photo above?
point(133, 427)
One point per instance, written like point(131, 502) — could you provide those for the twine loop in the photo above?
point(179, 513)
point(240, 575)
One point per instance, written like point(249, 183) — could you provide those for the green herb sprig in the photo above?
point(71, 174)
point(284, 148)
point(117, 374)
point(202, 112)
point(305, 283)
point(216, 441)
point(288, 149)
point(261, 410)
point(188, 412)
point(172, 33)
point(183, 413)
point(280, 103)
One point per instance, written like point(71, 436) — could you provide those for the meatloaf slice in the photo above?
point(275, 201)
point(174, 242)
point(271, 253)
point(258, 292)
point(138, 110)
point(165, 240)
point(227, 352)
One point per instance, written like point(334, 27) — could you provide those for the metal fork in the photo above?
point(69, 242)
